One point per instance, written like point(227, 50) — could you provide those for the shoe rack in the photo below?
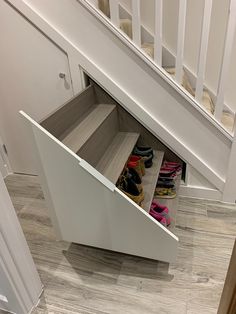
point(81, 150)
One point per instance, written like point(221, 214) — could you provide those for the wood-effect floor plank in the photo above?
point(81, 279)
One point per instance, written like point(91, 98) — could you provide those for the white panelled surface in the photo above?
point(20, 285)
point(30, 65)
point(108, 219)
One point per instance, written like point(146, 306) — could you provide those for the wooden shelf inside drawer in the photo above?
point(117, 154)
point(150, 179)
point(84, 130)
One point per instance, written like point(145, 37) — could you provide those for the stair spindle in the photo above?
point(136, 22)
point(228, 46)
point(206, 21)
point(158, 32)
point(114, 12)
point(180, 44)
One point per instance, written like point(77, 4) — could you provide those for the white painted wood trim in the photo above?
point(4, 161)
point(15, 256)
point(136, 22)
point(158, 32)
point(114, 12)
point(206, 21)
point(229, 40)
point(180, 41)
point(199, 192)
point(229, 193)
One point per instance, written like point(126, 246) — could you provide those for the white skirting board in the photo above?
point(200, 192)
point(87, 208)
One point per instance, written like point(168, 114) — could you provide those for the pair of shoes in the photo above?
point(127, 184)
point(165, 192)
point(166, 172)
point(160, 213)
point(146, 153)
point(169, 184)
point(137, 163)
point(173, 165)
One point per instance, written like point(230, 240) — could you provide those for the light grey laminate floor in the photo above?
point(87, 280)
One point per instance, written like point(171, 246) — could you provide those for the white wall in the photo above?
point(192, 38)
point(30, 64)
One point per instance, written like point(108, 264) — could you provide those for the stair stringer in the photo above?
point(152, 100)
point(87, 208)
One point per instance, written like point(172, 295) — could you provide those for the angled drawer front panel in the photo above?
point(87, 211)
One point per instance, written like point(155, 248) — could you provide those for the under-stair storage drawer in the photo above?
point(85, 157)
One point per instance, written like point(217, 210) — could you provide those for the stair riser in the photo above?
point(61, 120)
point(96, 145)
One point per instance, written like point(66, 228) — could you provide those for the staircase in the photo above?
point(227, 118)
point(154, 86)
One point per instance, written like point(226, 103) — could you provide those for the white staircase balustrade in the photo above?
point(229, 39)
point(213, 105)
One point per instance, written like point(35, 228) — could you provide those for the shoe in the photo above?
point(165, 193)
point(159, 218)
point(140, 160)
point(167, 172)
point(148, 161)
point(166, 179)
point(170, 177)
point(128, 186)
point(133, 174)
point(137, 163)
point(157, 208)
point(165, 184)
point(174, 165)
point(143, 151)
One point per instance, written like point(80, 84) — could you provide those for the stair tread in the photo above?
point(116, 155)
point(150, 179)
point(82, 132)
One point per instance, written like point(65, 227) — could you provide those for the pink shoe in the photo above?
point(160, 210)
point(159, 218)
point(173, 165)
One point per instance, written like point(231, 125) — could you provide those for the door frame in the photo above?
point(5, 168)
point(22, 283)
